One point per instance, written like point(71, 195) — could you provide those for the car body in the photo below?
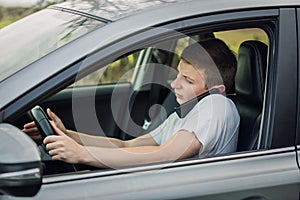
point(143, 35)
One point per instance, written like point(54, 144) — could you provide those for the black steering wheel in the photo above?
point(42, 121)
point(43, 124)
point(51, 167)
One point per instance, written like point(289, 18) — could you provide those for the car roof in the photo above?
point(114, 10)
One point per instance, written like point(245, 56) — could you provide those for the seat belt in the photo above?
point(153, 99)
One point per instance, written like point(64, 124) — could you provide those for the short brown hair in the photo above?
point(215, 58)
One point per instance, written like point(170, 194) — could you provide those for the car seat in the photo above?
point(249, 88)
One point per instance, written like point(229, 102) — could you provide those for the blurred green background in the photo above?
point(10, 14)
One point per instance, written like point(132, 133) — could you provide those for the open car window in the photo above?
point(122, 89)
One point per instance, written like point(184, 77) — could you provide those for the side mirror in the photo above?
point(20, 163)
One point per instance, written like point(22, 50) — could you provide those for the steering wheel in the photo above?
point(42, 121)
point(43, 124)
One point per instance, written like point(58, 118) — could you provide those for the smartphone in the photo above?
point(183, 109)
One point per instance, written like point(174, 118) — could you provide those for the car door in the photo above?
point(268, 172)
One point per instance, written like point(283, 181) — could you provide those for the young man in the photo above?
point(204, 128)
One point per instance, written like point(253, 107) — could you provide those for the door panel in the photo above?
point(268, 193)
point(269, 174)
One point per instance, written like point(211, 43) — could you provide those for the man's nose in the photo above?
point(175, 83)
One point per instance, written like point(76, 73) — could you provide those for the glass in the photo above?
point(120, 71)
point(29, 39)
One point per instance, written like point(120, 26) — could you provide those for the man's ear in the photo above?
point(221, 88)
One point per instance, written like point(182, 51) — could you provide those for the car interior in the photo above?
point(115, 121)
point(249, 89)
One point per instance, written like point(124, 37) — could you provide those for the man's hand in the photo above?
point(62, 147)
point(56, 120)
point(32, 131)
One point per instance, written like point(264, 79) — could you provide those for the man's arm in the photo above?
point(85, 139)
point(183, 144)
point(107, 142)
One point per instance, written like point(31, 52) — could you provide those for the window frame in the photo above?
point(188, 28)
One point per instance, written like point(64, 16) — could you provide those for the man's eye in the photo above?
point(188, 80)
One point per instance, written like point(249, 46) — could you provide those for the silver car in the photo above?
point(102, 66)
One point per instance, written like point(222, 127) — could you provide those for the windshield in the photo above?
point(29, 39)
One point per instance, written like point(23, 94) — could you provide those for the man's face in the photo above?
point(188, 84)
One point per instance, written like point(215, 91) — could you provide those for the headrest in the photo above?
point(251, 72)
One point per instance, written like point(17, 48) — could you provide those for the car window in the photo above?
point(146, 63)
point(62, 28)
point(120, 71)
point(233, 38)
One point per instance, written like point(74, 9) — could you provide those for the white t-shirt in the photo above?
point(214, 120)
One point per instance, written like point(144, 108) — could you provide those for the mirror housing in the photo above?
point(20, 163)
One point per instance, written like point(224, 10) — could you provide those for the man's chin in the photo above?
point(180, 101)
